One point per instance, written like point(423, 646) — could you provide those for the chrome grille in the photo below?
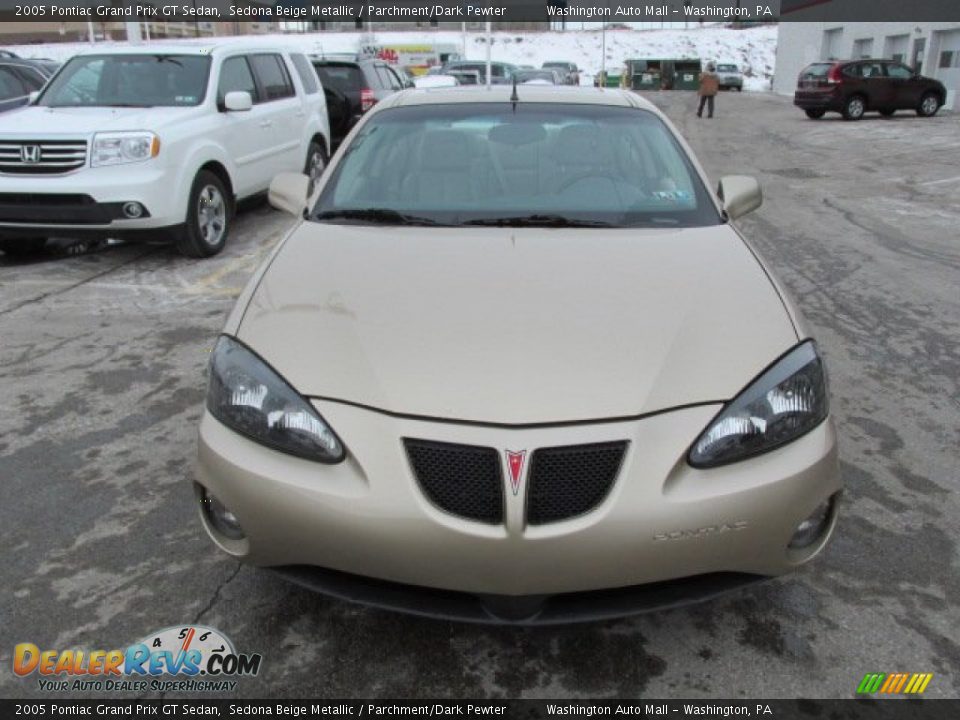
point(25, 157)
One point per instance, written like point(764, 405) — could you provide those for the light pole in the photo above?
point(489, 43)
point(603, 54)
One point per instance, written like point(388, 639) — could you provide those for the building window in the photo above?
point(831, 43)
point(947, 59)
point(863, 49)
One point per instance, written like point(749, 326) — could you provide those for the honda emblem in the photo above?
point(30, 154)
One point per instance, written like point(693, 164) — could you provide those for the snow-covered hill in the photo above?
point(754, 48)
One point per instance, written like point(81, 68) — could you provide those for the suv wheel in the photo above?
point(315, 165)
point(854, 108)
point(929, 104)
point(209, 215)
point(17, 247)
point(815, 113)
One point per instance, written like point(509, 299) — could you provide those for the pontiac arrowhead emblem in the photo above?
point(515, 462)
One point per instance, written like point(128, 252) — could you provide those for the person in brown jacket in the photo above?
point(709, 86)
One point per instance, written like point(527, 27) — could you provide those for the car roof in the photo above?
point(187, 47)
point(44, 66)
point(526, 93)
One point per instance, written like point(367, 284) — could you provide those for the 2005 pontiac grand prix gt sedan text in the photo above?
point(514, 364)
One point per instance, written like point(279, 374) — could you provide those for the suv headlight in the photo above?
point(116, 148)
point(248, 396)
point(786, 401)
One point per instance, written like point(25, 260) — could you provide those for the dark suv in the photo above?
point(853, 87)
point(354, 85)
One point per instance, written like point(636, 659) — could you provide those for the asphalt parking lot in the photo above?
point(102, 382)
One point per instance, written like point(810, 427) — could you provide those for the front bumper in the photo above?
point(663, 520)
point(89, 202)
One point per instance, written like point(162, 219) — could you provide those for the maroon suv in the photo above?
point(852, 87)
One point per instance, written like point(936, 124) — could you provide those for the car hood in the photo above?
point(516, 326)
point(34, 121)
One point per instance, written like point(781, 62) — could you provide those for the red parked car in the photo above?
point(853, 87)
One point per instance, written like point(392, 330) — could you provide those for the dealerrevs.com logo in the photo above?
point(185, 658)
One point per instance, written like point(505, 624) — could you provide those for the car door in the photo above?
point(905, 86)
point(875, 85)
point(241, 132)
point(282, 116)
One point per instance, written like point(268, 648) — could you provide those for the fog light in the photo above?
point(811, 529)
point(132, 209)
point(224, 521)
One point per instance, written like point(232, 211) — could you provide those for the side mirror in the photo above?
point(288, 192)
point(32, 97)
point(237, 101)
point(740, 194)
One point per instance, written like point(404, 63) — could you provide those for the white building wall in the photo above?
point(801, 43)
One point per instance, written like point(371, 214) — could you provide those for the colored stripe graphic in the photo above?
point(871, 683)
point(894, 683)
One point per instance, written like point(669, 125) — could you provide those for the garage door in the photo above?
point(947, 64)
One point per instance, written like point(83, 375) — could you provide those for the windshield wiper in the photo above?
point(555, 221)
point(379, 216)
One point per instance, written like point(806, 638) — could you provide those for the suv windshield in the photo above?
point(537, 164)
point(726, 68)
point(129, 81)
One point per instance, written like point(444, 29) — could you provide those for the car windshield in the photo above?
point(129, 81)
point(536, 164)
point(726, 68)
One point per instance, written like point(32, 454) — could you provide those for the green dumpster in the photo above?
point(686, 74)
point(645, 74)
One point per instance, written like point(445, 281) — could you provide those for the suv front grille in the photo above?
point(42, 157)
point(571, 480)
point(464, 480)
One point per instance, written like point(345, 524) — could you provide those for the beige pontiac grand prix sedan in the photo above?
point(515, 363)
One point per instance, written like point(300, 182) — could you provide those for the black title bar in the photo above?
point(435, 11)
point(853, 709)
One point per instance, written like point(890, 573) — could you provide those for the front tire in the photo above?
point(21, 247)
point(854, 107)
point(209, 217)
point(929, 105)
point(815, 113)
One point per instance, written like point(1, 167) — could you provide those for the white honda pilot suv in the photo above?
point(155, 142)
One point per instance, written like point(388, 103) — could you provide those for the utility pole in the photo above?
point(489, 47)
point(90, 34)
point(133, 32)
point(603, 55)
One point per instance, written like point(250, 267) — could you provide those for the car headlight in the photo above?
point(116, 148)
point(248, 396)
point(786, 401)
